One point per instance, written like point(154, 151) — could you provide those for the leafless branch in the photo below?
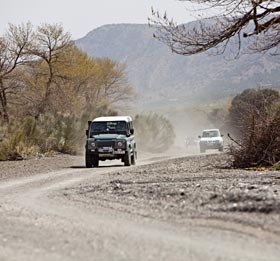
point(259, 19)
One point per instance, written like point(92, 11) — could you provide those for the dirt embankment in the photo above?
point(190, 187)
point(42, 164)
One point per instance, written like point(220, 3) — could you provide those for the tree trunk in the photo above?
point(44, 102)
point(3, 102)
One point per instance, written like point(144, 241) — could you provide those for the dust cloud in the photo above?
point(188, 125)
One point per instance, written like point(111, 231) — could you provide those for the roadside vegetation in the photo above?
point(154, 132)
point(49, 89)
point(253, 126)
point(254, 118)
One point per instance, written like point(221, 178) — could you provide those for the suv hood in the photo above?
point(109, 136)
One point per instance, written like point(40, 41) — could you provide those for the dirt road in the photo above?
point(161, 209)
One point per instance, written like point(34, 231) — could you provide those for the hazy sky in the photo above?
point(81, 16)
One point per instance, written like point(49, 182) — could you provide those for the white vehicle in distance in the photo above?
point(211, 139)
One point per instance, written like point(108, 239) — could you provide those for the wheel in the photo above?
point(127, 159)
point(133, 159)
point(88, 159)
point(95, 161)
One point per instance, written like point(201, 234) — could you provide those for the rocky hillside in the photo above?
point(160, 76)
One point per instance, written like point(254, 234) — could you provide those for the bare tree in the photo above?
point(13, 52)
point(256, 20)
point(113, 84)
point(49, 47)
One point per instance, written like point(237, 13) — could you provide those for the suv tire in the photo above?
point(127, 159)
point(95, 161)
point(88, 161)
point(133, 159)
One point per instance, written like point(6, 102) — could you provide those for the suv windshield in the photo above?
point(207, 134)
point(118, 127)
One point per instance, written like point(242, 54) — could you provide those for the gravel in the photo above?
point(38, 165)
point(190, 187)
point(177, 189)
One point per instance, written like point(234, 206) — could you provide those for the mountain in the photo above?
point(158, 75)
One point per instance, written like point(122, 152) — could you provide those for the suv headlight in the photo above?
point(93, 144)
point(120, 144)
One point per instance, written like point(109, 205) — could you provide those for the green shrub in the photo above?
point(48, 133)
point(154, 133)
point(59, 133)
point(20, 140)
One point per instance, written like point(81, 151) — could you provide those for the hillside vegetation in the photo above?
point(49, 89)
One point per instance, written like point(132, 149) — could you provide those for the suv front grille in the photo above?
point(105, 143)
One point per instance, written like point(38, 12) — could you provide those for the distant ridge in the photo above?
point(159, 75)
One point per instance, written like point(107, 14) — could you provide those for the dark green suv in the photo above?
point(110, 138)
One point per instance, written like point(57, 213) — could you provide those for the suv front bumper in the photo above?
point(109, 153)
point(211, 145)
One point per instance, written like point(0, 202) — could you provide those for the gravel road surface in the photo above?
point(165, 208)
